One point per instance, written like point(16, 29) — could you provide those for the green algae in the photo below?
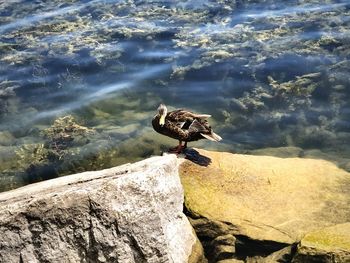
point(33, 155)
point(47, 160)
point(329, 244)
point(65, 133)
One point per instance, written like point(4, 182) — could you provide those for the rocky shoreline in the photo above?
point(242, 208)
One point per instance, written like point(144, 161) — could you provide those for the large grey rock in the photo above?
point(131, 213)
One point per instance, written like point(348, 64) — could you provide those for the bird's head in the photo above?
point(162, 111)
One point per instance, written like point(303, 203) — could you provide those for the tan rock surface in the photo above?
point(267, 198)
point(331, 244)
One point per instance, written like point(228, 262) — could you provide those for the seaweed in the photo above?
point(44, 161)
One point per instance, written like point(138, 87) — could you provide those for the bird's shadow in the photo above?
point(194, 156)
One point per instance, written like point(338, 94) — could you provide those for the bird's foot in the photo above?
point(178, 149)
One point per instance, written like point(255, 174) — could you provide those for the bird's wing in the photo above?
point(181, 118)
point(196, 126)
point(189, 122)
point(180, 124)
point(177, 116)
point(201, 116)
point(183, 115)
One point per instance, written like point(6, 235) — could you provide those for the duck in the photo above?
point(184, 126)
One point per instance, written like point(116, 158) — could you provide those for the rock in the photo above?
point(99, 114)
point(146, 144)
point(346, 166)
point(334, 157)
point(231, 260)
point(283, 152)
point(210, 228)
point(124, 130)
point(6, 138)
point(331, 244)
point(212, 234)
point(135, 115)
point(197, 255)
point(282, 256)
point(7, 154)
point(223, 247)
point(131, 213)
point(266, 202)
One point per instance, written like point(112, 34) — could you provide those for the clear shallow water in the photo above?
point(271, 74)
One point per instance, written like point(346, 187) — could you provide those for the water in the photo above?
point(273, 75)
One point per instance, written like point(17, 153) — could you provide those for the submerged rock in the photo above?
point(131, 213)
point(266, 203)
point(231, 260)
point(283, 152)
point(6, 138)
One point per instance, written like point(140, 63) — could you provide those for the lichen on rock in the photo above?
point(331, 244)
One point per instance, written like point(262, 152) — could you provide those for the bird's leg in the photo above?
point(177, 149)
point(185, 145)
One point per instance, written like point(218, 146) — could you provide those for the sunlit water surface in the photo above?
point(273, 75)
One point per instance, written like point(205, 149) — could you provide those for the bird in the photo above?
point(184, 126)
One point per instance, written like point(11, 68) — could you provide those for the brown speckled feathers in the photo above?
point(185, 126)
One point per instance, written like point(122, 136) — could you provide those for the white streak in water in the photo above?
point(293, 10)
point(103, 92)
point(29, 20)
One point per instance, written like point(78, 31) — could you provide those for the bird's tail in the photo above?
point(212, 136)
point(202, 116)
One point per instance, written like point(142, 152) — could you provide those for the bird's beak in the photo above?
point(162, 120)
